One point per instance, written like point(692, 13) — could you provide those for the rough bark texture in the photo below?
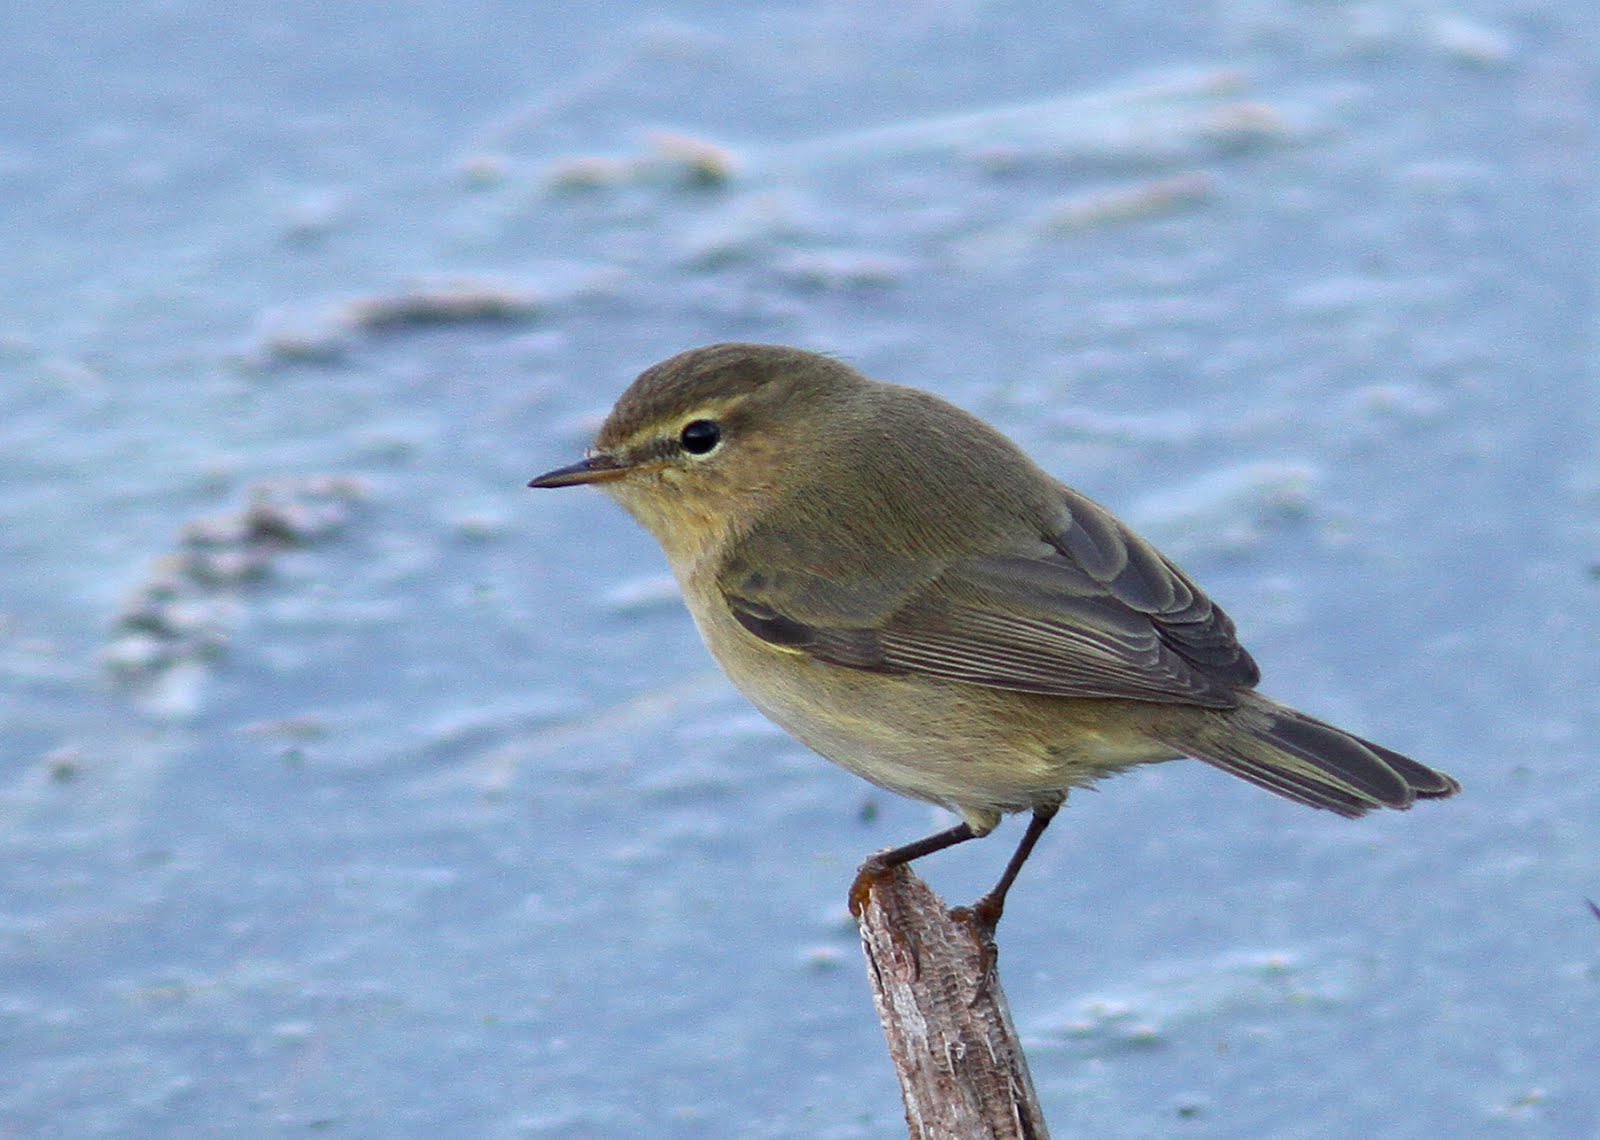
point(962, 1070)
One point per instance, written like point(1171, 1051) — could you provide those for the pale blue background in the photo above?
point(542, 873)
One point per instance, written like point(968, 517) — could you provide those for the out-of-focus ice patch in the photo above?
point(1400, 401)
point(1101, 206)
point(717, 752)
point(313, 214)
point(579, 426)
point(650, 592)
point(1520, 1106)
point(583, 747)
point(666, 158)
point(1153, 1011)
point(1157, 427)
point(1229, 511)
point(738, 722)
point(466, 728)
point(842, 269)
point(820, 958)
point(479, 523)
point(180, 622)
point(326, 330)
point(1471, 42)
point(747, 229)
point(1175, 116)
point(1353, 294)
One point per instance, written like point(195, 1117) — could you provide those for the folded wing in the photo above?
point(1090, 611)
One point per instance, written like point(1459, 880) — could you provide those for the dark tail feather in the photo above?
point(1424, 781)
point(1313, 763)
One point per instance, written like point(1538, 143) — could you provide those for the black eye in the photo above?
point(700, 436)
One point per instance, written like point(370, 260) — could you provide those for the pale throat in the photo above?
point(690, 524)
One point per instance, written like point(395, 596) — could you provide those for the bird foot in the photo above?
point(868, 875)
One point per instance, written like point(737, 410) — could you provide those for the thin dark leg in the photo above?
point(988, 909)
point(877, 864)
point(927, 845)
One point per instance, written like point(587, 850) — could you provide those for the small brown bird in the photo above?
point(896, 584)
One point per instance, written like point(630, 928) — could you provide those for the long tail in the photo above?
point(1310, 761)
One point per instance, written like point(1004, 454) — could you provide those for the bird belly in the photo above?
point(981, 751)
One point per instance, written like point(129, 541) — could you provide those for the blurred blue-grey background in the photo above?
point(408, 803)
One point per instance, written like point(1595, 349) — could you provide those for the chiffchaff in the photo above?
point(896, 584)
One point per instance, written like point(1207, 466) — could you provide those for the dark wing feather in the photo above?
point(1092, 611)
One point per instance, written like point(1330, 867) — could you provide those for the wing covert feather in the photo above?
point(1091, 610)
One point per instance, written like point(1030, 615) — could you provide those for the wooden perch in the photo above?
point(937, 988)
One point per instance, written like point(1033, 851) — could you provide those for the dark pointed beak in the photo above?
point(595, 469)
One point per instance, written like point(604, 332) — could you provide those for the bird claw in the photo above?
point(868, 875)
